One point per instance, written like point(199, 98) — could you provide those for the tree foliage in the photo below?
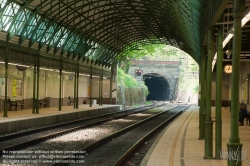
point(160, 52)
point(128, 81)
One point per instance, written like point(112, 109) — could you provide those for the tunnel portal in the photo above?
point(158, 87)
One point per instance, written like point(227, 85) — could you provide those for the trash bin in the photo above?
point(94, 101)
point(48, 101)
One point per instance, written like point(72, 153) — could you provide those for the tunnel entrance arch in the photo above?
point(158, 87)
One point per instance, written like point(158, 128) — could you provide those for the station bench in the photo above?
point(71, 100)
point(42, 103)
point(14, 103)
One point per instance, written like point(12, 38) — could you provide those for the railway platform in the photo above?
point(178, 144)
point(25, 119)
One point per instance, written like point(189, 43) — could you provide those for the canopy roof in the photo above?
point(102, 32)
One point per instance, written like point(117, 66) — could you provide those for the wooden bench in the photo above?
point(42, 103)
point(13, 102)
point(71, 100)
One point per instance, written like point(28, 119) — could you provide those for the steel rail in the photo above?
point(143, 139)
point(66, 131)
point(101, 142)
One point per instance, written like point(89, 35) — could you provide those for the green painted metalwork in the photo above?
point(203, 94)
point(60, 86)
point(77, 86)
point(90, 86)
point(208, 119)
point(37, 84)
point(101, 88)
point(213, 12)
point(111, 88)
point(218, 119)
point(61, 24)
point(5, 113)
point(234, 145)
point(26, 56)
point(34, 86)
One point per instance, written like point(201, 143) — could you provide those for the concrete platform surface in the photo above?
point(178, 144)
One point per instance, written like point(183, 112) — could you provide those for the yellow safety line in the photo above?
point(171, 157)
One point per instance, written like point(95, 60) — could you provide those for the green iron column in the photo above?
point(234, 145)
point(110, 88)
point(5, 113)
point(102, 87)
point(34, 87)
point(37, 85)
point(90, 88)
point(208, 119)
point(99, 101)
point(202, 95)
point(60, 86)
point(218, 120)
point(77, 87)
point(75, 80)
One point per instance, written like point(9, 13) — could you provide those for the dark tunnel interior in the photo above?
point(158, 87)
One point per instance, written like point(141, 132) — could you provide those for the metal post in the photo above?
point(60, 86)
point(234, 145)
point(218, 120)
point(5, 113)
point(202, 93)
point(34, 87)
point(90, 85)
point(37, 87)
point(77, 87)
point(110, 88)
point(102, 88)
point(208, 119)
point(75, 80)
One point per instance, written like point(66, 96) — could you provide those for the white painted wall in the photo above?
point(49, 84)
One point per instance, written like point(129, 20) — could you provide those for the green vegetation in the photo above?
point(128, 81)
point(148, 102)
point(188, 77)
point(156, 110)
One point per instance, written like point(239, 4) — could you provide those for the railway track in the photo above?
point(20, 140)
point(116, 148)
point(108, 116)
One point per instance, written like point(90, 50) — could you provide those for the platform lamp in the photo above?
point(229, 53)
point(228, 69)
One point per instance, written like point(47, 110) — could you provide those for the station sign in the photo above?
point(242, 56)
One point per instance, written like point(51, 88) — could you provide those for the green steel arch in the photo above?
point(101, 32)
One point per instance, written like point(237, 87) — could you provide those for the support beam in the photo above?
point(60, 85)
point(110, 88)
point(202, 94)
point(75, 80)
point(218, 120)
point(90, 87)
point(77, 87)
point(37, 84)
point(102, 88)
point(208, 119)
point(234, 145)
point(34, 87)
point(5, 113)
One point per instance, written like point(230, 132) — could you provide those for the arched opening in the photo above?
point(158, 87)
